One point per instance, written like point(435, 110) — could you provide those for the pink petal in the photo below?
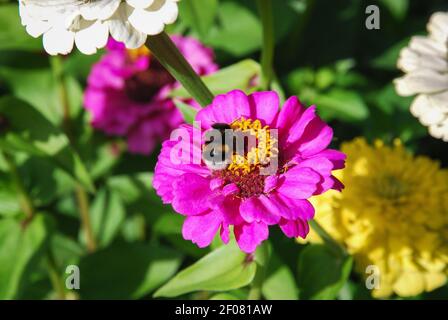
point(295, 228)
point(191, 194)
point(225, 233)
point(316, 138)
point(225, 109)
point(289, 114)
point(299, 183)
point(229, 207)
point(216, 183)
point(169, 158)
point(201, 229)
point(200, 57)
point(292, 209)
point(335, 156)
point(166, 172)
point(259, 209)
point(264, 106)
point(270, 183)
point(338, 185)
point(321, 165)
point(298, 128)
point(249, 236)
point(230, 189)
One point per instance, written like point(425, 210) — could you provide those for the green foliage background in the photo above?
point(324, 54)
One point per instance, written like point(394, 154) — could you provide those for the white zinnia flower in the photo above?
point(425, 62)
point(88, 23)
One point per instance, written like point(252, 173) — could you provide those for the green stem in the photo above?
point(267, 53)
point(257, 284)
point(58, 73)
point(83, 206)
point(24, 198)
point(169, 56)
point(81, 195)
point(327, 239)
point(261, 257)
point(56, 280)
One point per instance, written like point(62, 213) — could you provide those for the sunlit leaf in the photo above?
point(224, 269)
point(236, 76)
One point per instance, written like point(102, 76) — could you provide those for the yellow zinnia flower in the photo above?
point(393, 214)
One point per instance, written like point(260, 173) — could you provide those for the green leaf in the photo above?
point(134, 228)
point(126, 271)
point(342, 104)
point(13, 35)
point(66, 250)
point(321, 274)
point(43, 181)
point(188, 113)
point(199, 15)
point(398, 8)
point(30, 132)
point(39, 88)
point(22, 246)
point(325, 77)
point(237, 24)
point(387, 60)
point(131, 187)
point(223, 269)
point(224, 296)
point(236, 76)
point(169, 224)
point(107, 214)
point(9, 206)
point(279, 283)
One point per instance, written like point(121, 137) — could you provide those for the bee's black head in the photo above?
point(221, 126)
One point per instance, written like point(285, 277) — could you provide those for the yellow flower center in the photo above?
point(256, 154)
point(254, 147)
point(135, 54)
point(391, 188)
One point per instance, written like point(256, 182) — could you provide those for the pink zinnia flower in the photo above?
point(239, 195)
point(127, 92)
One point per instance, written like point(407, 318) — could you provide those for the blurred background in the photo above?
point(324, 55)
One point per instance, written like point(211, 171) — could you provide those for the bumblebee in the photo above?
point(217, 151)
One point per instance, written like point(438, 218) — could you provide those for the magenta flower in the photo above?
point(127, 93)
point(243, 194)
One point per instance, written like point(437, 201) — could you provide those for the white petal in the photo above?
point(429, 113)
point(426, 45)
point(122, 31)
point(146, 22)
point(153, 19)
point(440, 131)
point(35, 28)
point(140, 4)
point(438, 27)
point(169, 12)
point(421, 81)
point(411, 60)
point(101, 10)
point(88, 23)
point(58, 41)
point(91, 38)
